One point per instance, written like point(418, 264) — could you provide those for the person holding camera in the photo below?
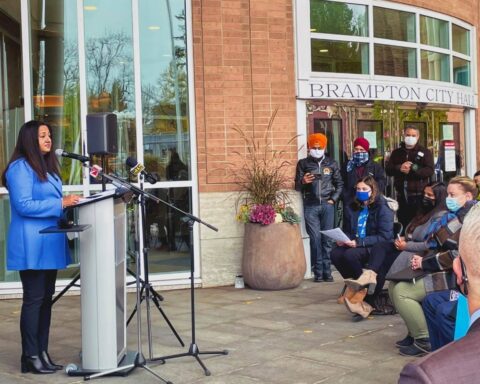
point(319, 180)
point(411, 166)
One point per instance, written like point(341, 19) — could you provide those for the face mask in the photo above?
point(428, 203)
point(360, 157)
point(317, 153)
point(410, 141)
point(452, 204)
point(362, 195)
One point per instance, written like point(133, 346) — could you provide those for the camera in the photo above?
point(418, 159)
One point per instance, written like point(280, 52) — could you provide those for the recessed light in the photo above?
point(90, 8)
point(323, 50)
point(153, 27)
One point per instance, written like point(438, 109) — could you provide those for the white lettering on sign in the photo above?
point(390, 92)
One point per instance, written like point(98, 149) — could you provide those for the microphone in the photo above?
point(61, 152)
point(137, 168)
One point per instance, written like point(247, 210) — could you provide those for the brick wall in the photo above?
point(244, 70)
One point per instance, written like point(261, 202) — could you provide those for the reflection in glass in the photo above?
point(110, 78)
point(5, 275)
point(168, 236)
point(460, 39)
point(338, 18)
point(393, 25)
point(11, 90)
point(435, 66)
point(395, 61)
point(339, 57)
point(164, 88)
point(433, 32)
point(55, 77)
point(461, 71)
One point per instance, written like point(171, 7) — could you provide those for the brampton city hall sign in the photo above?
point(355, 90)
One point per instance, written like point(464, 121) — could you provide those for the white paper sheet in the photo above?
point(336, 234)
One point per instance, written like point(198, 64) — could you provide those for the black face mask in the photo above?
point(428, 204)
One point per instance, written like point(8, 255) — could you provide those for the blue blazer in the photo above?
point(34, 205)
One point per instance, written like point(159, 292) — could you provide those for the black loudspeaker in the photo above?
point(102, 134)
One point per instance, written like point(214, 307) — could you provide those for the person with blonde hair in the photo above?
point(458, 361)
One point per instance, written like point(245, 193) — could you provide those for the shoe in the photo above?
point(48, 363)
point(367, 278)
point(423, 344)
point(413, 350)
point(405, 342)
point(317, 279)
point(362, 308)
point(33, 364)
point(328, 279)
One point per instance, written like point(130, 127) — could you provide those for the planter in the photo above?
point(273, 256)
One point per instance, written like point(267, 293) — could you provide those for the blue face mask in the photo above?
point(452, 204)
point(360, 158)
point(362, 195)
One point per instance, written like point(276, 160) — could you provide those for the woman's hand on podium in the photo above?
point(70, 200)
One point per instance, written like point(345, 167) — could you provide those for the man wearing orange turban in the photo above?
point(318, 179)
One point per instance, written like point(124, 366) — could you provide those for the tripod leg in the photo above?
point(64, 290)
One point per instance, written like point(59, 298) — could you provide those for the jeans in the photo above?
point(38, 289)
point(440, 313)
point(319, 217)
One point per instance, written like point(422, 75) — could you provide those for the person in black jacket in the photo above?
point(358, 167)
point(319, 180)
point(371, 222)
point(411, 165)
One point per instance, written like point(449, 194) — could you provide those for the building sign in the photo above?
point(340, 89)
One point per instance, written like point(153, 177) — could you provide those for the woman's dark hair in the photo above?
point(440, 192)
point(370, 181)
point(27, 146)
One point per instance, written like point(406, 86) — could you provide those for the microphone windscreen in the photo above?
point(59, 151)
point(131, 162)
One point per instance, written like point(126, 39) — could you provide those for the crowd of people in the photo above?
point(417, 252)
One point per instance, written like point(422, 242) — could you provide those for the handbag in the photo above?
point(406, 274)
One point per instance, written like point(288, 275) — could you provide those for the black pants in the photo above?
point(349, 261)
point(408, 208)
point(38, 289)
point(382, 256)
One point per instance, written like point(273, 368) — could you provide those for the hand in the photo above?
point(308, 178)
point(351, 244)
point(416, 262)
point(406, 167)
point(400, 244)
point(70, 200)
point(331, 202)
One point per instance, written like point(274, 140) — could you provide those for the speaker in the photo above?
point(102, 134)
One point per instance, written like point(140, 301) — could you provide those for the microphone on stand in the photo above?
point(61, 152)
point(137, 168)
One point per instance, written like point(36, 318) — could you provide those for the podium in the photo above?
point(102, 250)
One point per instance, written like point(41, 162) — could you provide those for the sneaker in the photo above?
point(328, 279)
point(405, 342)
point(420, 347)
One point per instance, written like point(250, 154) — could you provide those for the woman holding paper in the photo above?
point(371, 222)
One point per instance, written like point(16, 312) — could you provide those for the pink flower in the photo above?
point(262, 214)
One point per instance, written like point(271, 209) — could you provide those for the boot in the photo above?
point(48, 363)
point(362, 308)
point(367, 278)
point(34, 364)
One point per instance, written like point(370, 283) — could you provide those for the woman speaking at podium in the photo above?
point(32, 178)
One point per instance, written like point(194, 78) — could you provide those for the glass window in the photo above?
point(461, 71)
point(394, 25)
point(435, 66)
point(163, 56)
point(434, 32)
point(460, 39)
point(338, 18)
point(339, 57)
point(110, 78)
point(395, 61)
point(56, 96)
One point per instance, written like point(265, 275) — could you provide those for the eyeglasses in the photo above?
point(464, 276)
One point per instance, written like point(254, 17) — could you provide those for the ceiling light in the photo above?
point(153, 27)
point(323, 50)
point(90, 7)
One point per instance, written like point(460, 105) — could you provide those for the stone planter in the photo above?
point(273, 256)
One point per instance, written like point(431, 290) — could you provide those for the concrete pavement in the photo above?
point(297, 336)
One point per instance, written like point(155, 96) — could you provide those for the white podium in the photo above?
point(103, 276)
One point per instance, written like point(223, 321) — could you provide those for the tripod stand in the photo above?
point(193, 348)
point(147, 292)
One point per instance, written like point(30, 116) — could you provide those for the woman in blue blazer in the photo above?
point(33, 181)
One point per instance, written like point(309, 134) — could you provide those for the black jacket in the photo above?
point(328, 186)
point(350, 179)
point(417, 178)
point(379, 224)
